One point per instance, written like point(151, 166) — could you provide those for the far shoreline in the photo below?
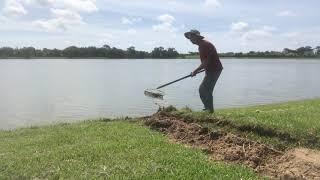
point(186, 58)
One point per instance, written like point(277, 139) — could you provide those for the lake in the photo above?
point(38, 92)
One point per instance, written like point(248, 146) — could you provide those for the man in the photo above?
point(211, 63)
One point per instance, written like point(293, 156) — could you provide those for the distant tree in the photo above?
point(56, 53)
point(39, 53)
point(106, 47)
point(90, 52)
point(317, 50)
point(238, 54)
point(131, 52)
point(100, 52)
point(172, 53)
point(305, 51)
point(6, 52)
point(158, 52)
point(27, 52)
point(71, 52)
point(116, 53)
point(194, 53)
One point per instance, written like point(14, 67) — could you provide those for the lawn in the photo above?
point(294, 123)
point(105, 150)
point(126, 149)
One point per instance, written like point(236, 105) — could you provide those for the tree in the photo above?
point(27, 52)
point(317, 50)
point(305, 51)
point(158, 52)
point(90, 52)
point(71, 52)
point(131, 52)
point(6, 52)
point(117, 53)
point(172, 53)
point(107, 47)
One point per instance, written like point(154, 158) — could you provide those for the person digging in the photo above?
point(211, 63)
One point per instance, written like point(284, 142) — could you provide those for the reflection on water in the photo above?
point(36, 92)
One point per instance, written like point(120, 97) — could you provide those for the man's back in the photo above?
point(209, 52)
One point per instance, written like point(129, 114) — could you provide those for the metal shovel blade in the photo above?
point(153, 93)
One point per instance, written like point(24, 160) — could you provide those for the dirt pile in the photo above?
point(298, 163)
point(224, 146)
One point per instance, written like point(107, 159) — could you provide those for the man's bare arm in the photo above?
point(203, 65)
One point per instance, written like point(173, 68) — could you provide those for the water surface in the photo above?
point(36, 92)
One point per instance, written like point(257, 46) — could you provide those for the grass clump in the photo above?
point(286, 124)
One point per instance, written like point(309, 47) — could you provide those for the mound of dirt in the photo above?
point(224, 146)
point(304, 163)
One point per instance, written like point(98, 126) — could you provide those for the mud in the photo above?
point(232, 148)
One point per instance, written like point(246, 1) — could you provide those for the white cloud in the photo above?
point(72, 5)
point(14, 8)
point(239, 26)
point(199, 7)
point(286, 13)
point(166, 18)
point(3, 19)
point(269, 28)
point(166, 27)
point(256, 34)
point(291, 34)
point(212, 3)
point(65, 13)
point(107, 35)
point(125, 20)
point(132, 31)
point(40, 2)
point(79, 5)
point(203, 8)
point(166, 23)
point(61, 21)
point(247, 35)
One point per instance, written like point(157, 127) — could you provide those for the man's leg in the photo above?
point(206, 89)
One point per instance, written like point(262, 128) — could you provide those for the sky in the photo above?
point(231, 25)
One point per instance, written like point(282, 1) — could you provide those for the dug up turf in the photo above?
point(300, 163)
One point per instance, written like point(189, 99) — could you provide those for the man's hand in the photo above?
point(194, 73)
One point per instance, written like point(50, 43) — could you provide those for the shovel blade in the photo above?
point(153, 94)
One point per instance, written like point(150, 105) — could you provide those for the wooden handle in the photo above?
point(178, 80)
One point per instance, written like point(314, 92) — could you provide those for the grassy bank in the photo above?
point(283, 125)
point(101, 149)
point(125, 149)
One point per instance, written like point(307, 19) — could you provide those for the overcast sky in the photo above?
point(232, 25)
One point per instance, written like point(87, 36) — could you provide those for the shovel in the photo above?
point(156, 93)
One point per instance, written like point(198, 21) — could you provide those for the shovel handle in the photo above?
point(178, 80)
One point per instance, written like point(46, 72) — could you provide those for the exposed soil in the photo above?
point(225, 146)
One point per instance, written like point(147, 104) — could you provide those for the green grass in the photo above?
point(294, 123)
point(105, 150)
point(128, 150)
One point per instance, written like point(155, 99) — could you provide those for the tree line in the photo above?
point(87, 52)
point(131, 53)
point(306, 51)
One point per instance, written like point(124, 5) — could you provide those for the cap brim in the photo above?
point(189, 34)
